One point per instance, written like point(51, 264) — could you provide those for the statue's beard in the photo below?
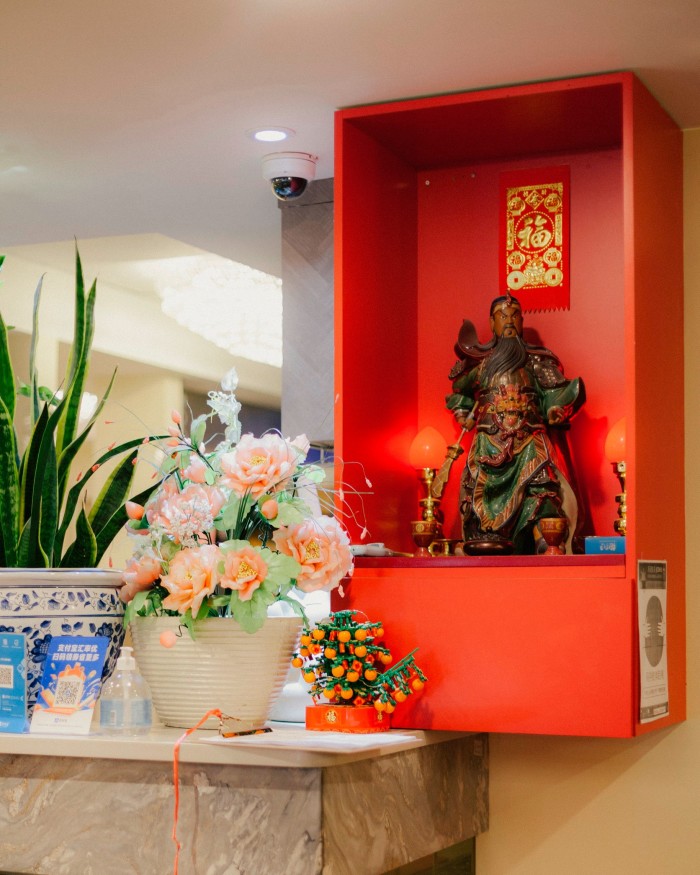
point(509, 354)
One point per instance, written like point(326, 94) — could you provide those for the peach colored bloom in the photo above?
point(196, 469)
point(155, 504)
point(186, 516)
point(322, 547)
point(193, 576)
point(270, 508)
point(133, 510)
point(139, 574)
point(244, 570)
point(258, 465)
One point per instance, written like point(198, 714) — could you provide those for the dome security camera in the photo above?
point(289, 173)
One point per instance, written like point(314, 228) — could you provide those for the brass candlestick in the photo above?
point(429, 527)
point(620, 468)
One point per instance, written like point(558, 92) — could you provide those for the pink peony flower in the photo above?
point(258, 465)
point(196, 469)
point(139, 574)
point(244, 570)
point(186, 516)
point(193, 576)
point(322, 547)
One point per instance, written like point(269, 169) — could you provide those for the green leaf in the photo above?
point(78, 363)
point(28, 469)
point(234, 513)
point(281, 568)
point(251, 614)
point(74, 493)
point(139, 600)
point(83, 551)
point(198, 430)
point(9, 488)
point(43, 509)
point(108, 515)
point(314, 474)
point(69, 453)
point(290, 512)
point(33, 376)
point(7, 374)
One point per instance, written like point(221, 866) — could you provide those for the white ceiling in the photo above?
point(130, 117)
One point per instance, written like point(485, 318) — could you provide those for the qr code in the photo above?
point(6, 677)
point(68, 693)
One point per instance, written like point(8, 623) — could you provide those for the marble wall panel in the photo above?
point(64, 816)
point(382, 813)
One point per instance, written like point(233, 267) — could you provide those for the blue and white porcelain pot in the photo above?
point(42, 603)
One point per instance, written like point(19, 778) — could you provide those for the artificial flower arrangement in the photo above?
point(231, 530)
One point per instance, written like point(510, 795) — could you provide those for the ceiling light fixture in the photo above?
point(230, 304)
point(271, 135)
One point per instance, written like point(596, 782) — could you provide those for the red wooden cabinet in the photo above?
point(515, 645)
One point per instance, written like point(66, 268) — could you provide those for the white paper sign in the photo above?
point(653, 640)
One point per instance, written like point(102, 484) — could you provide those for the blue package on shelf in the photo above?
point(13, 682)
point(599, 544)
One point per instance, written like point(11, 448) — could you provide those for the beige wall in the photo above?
point(615, 807)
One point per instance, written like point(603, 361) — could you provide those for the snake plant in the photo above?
point(44, 522)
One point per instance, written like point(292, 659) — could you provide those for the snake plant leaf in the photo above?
point(75, 491)
point(67, 457)
point(78, 362)
point(48, 507)
point(7, 374)
point(9, 488)
point(28, 468)
point(44, 497)
point(83, 551)
point(35, 393)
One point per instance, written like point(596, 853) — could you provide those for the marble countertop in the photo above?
point(289, 745)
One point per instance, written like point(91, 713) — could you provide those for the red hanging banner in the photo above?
point(534, 237)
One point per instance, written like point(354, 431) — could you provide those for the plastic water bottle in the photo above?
point(125, 701)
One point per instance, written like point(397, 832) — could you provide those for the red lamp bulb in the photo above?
point(427, 449)
point(616, 442)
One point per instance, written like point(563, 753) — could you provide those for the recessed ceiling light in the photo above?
point(271, 135)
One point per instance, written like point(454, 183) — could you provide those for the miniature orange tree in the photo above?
point(346, 664)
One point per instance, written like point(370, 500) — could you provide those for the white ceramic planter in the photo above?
point(42, 603)
point(224, 667)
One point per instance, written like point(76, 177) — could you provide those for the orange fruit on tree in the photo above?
point(309, 677)
point(353, 676)
point(337, 671)
point(344, 636)
point(417, 684)
point(330, 653)
point(297, 662)
point(361, 650)
point(318, 634)
point(360, 634)
point(371, 674)
point(399, 696)
point(346, 693)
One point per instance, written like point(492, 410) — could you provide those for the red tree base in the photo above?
point(346, 718)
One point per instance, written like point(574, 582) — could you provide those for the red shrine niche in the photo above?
point(515, 644)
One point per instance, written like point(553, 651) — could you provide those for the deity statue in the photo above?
point(516, 397)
